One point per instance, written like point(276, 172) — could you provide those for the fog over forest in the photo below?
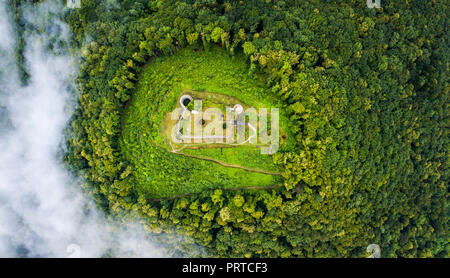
point(42, 211)
point(88, 167)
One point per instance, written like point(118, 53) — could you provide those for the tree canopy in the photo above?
point(366, 91)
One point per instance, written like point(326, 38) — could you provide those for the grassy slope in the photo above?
point(163, 174)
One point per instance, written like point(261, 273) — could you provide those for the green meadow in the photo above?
point(162, 173)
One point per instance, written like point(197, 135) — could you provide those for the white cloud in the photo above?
point(42, 212)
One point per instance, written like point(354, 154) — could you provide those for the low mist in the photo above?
point(43, 212)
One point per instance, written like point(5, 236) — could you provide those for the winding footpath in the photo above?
point(211, 160)
point(229, 165)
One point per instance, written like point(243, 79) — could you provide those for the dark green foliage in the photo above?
point(367, 95)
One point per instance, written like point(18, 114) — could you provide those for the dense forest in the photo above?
point(366, 92)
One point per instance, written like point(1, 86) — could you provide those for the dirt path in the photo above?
point(221, 163)
point(212, 160)
point(228, 165)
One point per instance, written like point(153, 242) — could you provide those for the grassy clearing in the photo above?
point(247, 156)
point(163, 174)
